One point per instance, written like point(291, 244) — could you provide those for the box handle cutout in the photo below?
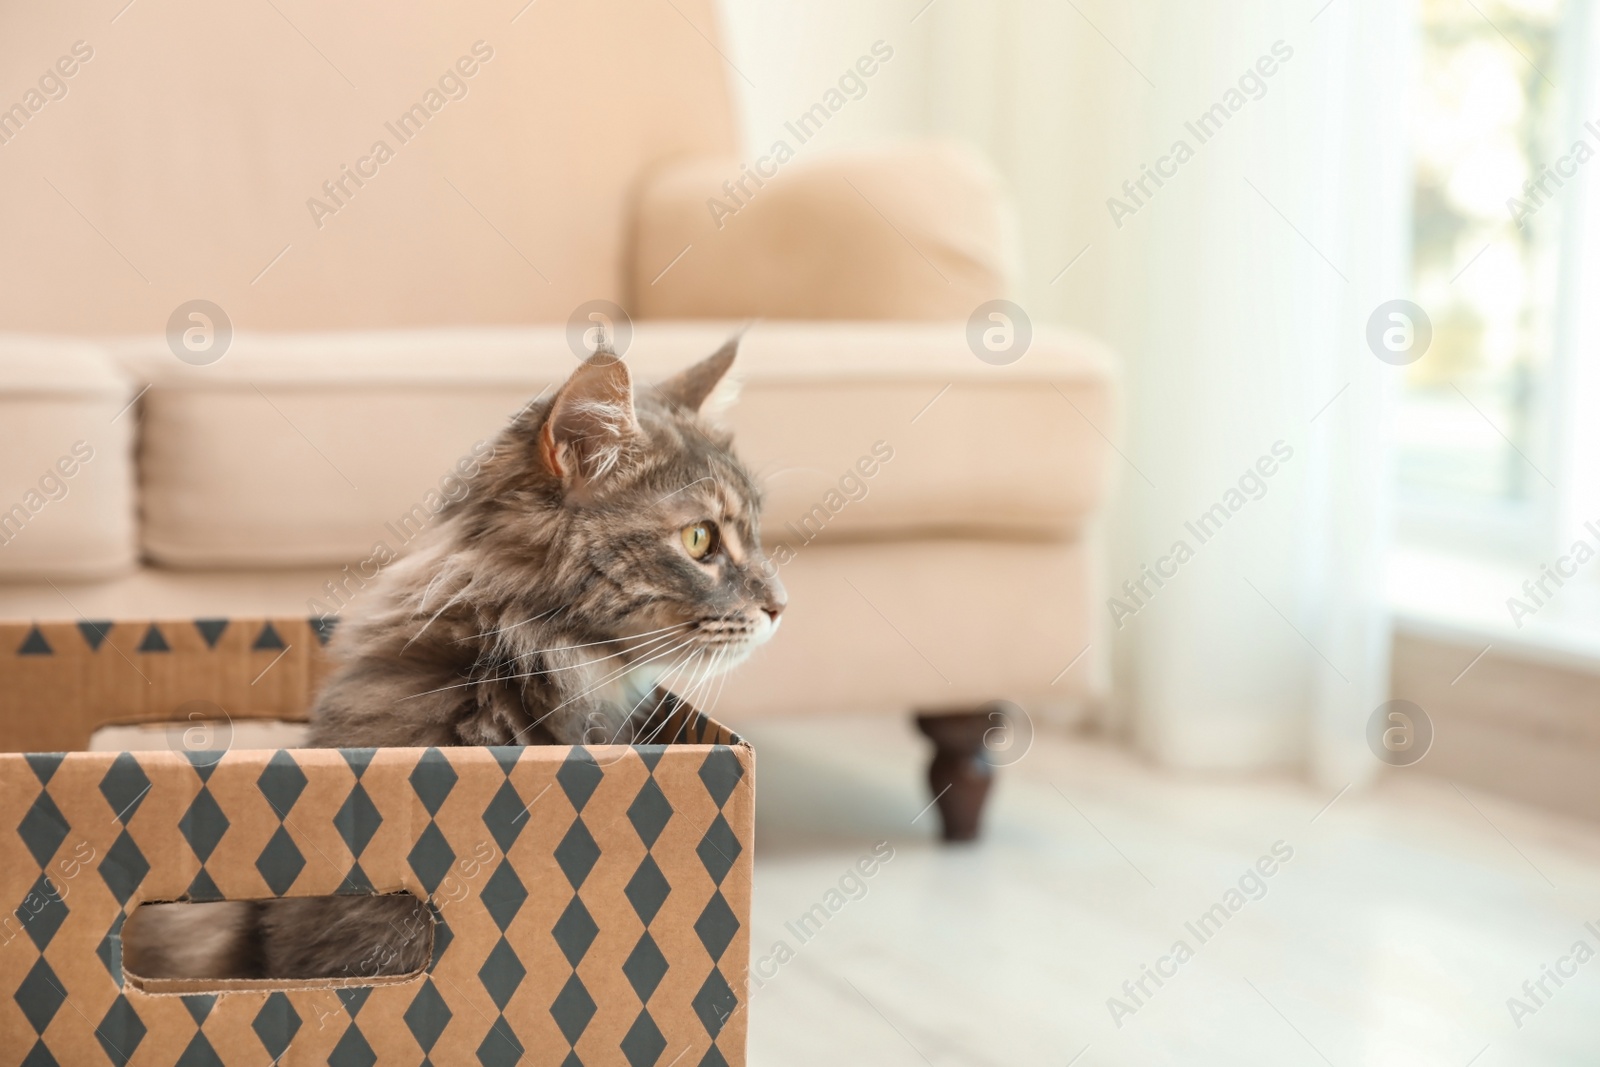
point(289, 943)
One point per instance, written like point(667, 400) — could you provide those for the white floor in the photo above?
point(1404, 921)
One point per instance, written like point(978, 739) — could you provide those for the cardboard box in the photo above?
point(591, 905)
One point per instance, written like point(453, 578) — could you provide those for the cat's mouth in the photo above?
point(751, 629)
point(721, 642)
point(697, 651)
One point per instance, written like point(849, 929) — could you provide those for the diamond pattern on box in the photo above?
point(42, 910)
point(124, 867)
point(124, 786)
point(502, 973)
point(506, 816)
point(500, 1047)
point(281, 862)
point(199, 1053)
point(577, 854)
point(721, 772)
point(717, 926)
point(643, 1044)
point(573, 1009)
point(715, 1003)
point(647, 890)
point(719, 849)
point(358, 820)
point(352, 1050)
point(575, 931)
point(39, 1056)
point(431, 857)
point(43, 829)
point(282, 781)
point(645, 967)
point(276, 1024)
point(608, 926)
point(121, 1032)
point(204, 824)
point(649, 812)
point(428, 1016)
point(40, 996)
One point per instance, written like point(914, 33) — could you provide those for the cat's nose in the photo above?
point(777, 600)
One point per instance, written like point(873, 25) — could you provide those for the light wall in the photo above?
point(183, 157)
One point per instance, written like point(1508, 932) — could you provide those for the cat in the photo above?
point(608, 549)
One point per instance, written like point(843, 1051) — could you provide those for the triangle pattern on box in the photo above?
point(211, 630)
point(35, 644)
point(268, 640)
point(95, 632)
point(323, 626)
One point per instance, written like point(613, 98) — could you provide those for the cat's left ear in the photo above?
point(690, 388)
point(591, 420)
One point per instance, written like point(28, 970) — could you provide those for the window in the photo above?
point(1479, 455)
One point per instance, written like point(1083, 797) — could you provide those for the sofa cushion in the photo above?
point(66, 478)
point(918, 230)
point(302, 450)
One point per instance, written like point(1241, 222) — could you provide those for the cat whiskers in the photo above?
point(532, 674)
point(513, 626)
point(722, 680)
point(448, 571)
point(642, 646)
point(690, 692)
point(654, 692)
point(664, 684)
point(614, 674)
point(610, 640)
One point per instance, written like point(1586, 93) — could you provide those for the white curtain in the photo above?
point(1238, 292)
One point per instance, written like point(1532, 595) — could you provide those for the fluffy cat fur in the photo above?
point(553, 604)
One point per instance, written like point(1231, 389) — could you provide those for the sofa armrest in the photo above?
point(916, 231)
point(66, 462)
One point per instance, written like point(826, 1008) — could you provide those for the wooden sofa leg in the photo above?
point(960, 774)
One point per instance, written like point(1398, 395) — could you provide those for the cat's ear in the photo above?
point(690, 388)
point(591, 420)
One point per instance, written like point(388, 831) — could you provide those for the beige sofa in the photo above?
point(374, 344)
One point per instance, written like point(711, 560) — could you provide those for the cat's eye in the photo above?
point(700, 539)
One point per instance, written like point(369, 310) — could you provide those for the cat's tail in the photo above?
point(219, 940)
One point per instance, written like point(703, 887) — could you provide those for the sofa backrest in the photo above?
point(179, 150)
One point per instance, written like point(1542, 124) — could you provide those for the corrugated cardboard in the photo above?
point(591, 905)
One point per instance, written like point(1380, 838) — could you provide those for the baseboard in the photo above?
point(1510, 724)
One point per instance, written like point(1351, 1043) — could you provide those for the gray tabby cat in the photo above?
point(608, 549)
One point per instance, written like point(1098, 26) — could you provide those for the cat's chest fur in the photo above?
point(627, 691)
point(573, 695)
